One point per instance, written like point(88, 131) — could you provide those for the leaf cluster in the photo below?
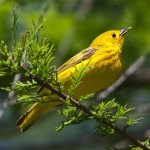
point(111, 110)
point(28, 57)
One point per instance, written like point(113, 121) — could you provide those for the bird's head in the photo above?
point(111, 38)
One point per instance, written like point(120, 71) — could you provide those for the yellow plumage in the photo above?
point(103, 58)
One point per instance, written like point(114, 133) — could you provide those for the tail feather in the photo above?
point(25, 121)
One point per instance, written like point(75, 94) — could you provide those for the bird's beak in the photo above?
point(124, 31)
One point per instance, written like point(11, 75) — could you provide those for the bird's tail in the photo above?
point(25, 121)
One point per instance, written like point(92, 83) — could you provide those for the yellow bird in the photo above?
point(103, 57)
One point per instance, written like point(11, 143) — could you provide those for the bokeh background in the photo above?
point(72, 25)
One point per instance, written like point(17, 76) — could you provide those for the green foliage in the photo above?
point(4, 55)
point(82, 98)
point(27, 58)
point(111, 110)
point(25, 85)
point(115, 113)
point(77, 78)
point(131, 121)
point(22, 86)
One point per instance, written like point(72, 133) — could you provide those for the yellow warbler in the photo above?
point(103, 57)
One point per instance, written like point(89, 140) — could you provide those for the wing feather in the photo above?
point(81, 56)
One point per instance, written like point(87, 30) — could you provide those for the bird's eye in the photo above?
point(113, 35)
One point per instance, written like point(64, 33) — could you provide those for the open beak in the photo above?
point(124, 31)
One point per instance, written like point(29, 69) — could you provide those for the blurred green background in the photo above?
point(72, 25)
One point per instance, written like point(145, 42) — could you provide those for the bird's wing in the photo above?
point(81, 56)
